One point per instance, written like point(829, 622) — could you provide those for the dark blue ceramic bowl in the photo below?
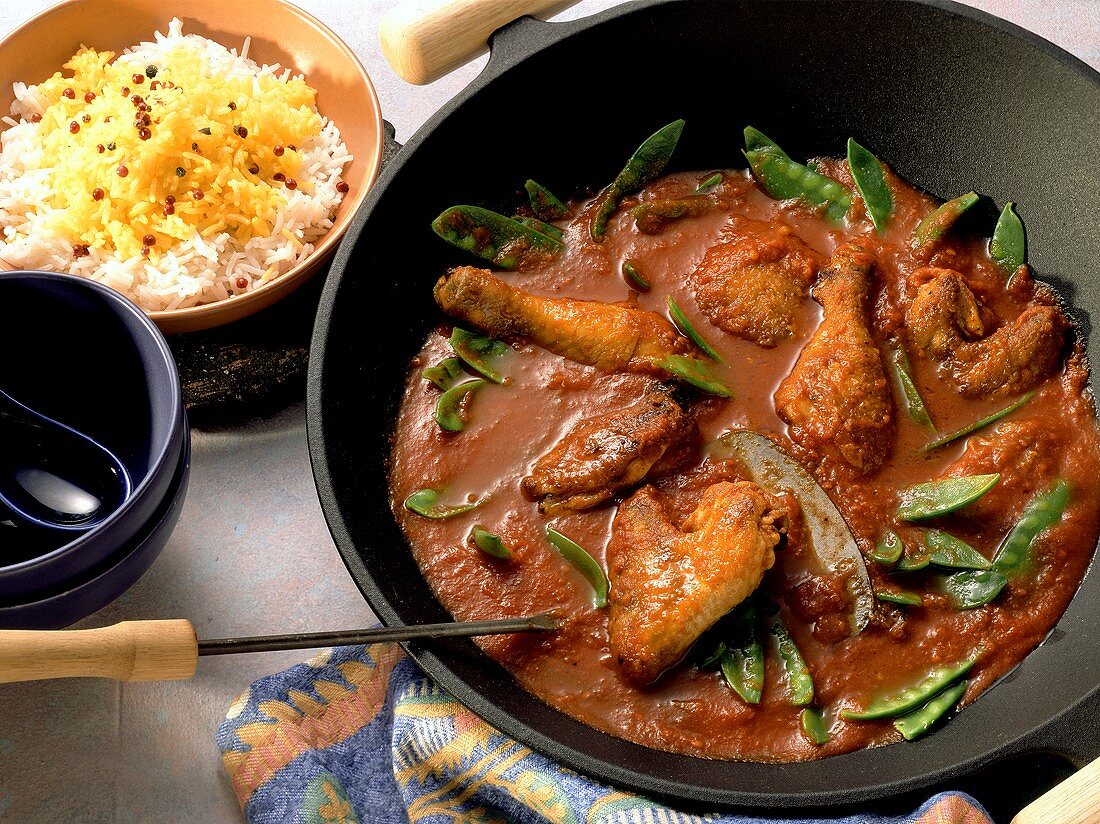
point(59, 608)
point(86, 356)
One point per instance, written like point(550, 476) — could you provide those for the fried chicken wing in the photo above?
point(752, 287)
point(606, 454)
point(669, 584)
point(612, 337)
point(945, 321)
point(837, 400)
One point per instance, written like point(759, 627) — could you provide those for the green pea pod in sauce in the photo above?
point(689, 330)
point(548, 229)
point(915, 724)
point(584, 563)
point(479, 352)
point(504, 241)
point(743, 661)
point(695, 372)
point(949, 552)
point(870, 178)
point(1008, 246)
point(973, 588)
point(647, 162)
point(444, 373)
point(784, 179)
point(634, 277)
point(425, 502)
point(920, 502)
point(888, 550)
point(908, 699)
point(757, 141)
point(800, 684)
point(490, 544)
point(943, 440)
point(931, 230)
point(708, 184)
point(544, 205)
point(903, 597)
point(1044, 510)
point(812, 722)
point(903, 373)
point(448, 409)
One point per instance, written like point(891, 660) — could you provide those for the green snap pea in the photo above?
point(757, 141)
point(425, 502)
point(1008, 247)
point(903, 373)
point(502, 240)
point(652, 216)
point(448, 409)
point(800, 684)
point(543, 203)
point(973, 588)
point(784, 179)
point(743, 661)
point(914, 559)
point(929, 500)
point(548, 229)
point(688, 329)
point(917, 723)
point(812, 722)
point(695, 372)
point(900, 596)
point(490, 544)
point(709, 183)
point(888, 550)
point(943, 440)
point(904, 701)
point(870, 178)
point(644, 165)
point(1043, 510)
point(479, 352)
point(633, 277)
point(951, 553)
point(584, 563)
point(935, 225)
point(443, 374)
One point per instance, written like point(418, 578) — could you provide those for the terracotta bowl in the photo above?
point(281, 33)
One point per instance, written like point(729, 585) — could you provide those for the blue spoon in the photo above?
point(52, 476)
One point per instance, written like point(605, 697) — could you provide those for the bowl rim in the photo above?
point(124, 308)
point(328, 242)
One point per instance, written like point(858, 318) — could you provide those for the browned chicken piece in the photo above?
point(837, 399)
point(669, 584)
point(604, 455)
point(945, 321)
point(610, 336)
point(752, 287)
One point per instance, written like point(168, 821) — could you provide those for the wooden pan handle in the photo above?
point(425, 39)
point(1077, 799)
point(130, 651)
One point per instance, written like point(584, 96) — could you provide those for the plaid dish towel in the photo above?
point(361, 734)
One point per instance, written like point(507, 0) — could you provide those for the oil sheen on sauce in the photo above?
point(690, 710)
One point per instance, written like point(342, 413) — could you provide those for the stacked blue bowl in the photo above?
point(85, 356)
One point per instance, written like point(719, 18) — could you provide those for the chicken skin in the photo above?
point(945, 321)
point(837, 400)
point(752, 287)
point(669, 584)
point(604, 455)
point(611, 337)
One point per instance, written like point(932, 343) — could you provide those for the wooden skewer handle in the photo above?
point(130, 651)
point(1077, 799)
point(425, 39)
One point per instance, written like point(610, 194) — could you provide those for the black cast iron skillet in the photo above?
point(952, 98)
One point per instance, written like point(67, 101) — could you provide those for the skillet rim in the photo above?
point(506, 52)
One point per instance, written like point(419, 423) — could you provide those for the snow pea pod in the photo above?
point(1008, 246)
point(1043, 510)
point(973, 588)
point(489, 543)
point(914, 403)
point(917, 723)
point(929, 500)
point(784, 179)
point(900, 596)
point(914, 559)
point(548, 229)
point(943, 440)
point(812, 722)
point(644, 165)
point(935, 225)
point(448, 409)
point(695, 372)
point(443, 374)
point(630, 272)
point(688, 329)
point(757, 141)
point(888, 550)
point(800, 684)
point(584, 563)
point(743, 661)
point(543, 203)
point(502, 240)
point(709, 183)
point(479, 352)
point(870, 178)
point(951, 553)
point(425, 502)
point(908, 699)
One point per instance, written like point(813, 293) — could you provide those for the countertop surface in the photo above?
point(251, 554)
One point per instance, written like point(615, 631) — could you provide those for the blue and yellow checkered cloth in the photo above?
point(361, 734)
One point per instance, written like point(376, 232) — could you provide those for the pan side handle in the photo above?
point(425, 39)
